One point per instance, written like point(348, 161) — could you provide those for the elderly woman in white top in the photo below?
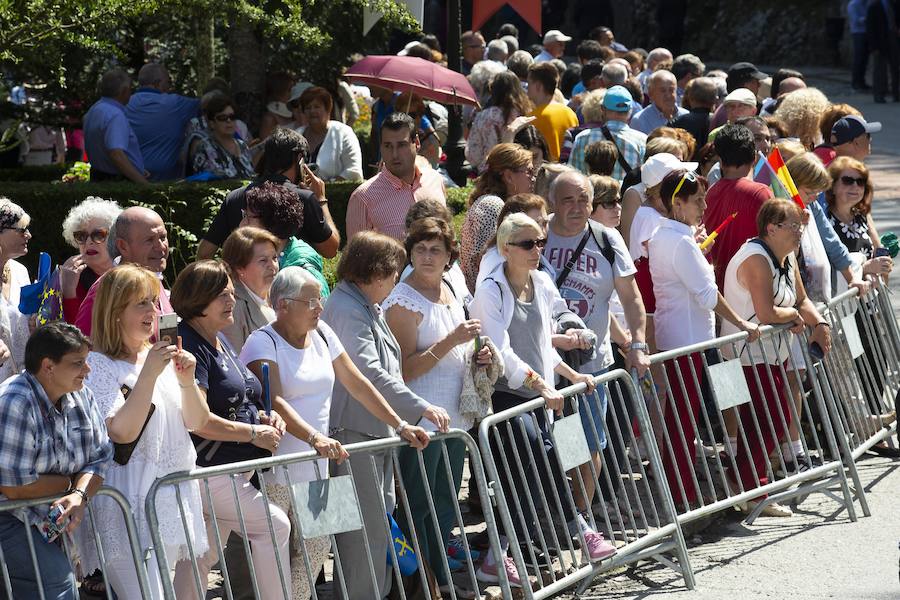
point(305, 357)
point(426, 313)
point(14, 237)
point(763, 285)
point(148, 395)
point(686, 298)
point(332, 145)
point(515, 305)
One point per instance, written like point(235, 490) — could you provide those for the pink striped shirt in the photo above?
point(381, 202)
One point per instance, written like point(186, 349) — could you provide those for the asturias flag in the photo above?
point(784, 176)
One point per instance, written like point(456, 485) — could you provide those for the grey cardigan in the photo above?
point(248, 316)
point(374, 350)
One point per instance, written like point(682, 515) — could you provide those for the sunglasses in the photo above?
point(609, 204)
point(529, 244)
point(847, 180)
point(97, 236)
point(688, 176)
point(225, 118)
point(19, 230)
point(794, 226)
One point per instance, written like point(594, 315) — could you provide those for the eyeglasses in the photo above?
point(793, 226)
point(529, 244)
point(19, 230)
point(225, 118)
point(98, 236)
point(311, 303)
point(847, 180)
point(688, 176)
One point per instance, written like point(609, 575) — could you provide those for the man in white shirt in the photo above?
point(554, 46)
point(592, 262)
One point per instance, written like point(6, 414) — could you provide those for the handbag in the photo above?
point(122, 452)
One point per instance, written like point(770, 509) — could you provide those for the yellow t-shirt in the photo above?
point(553, 120)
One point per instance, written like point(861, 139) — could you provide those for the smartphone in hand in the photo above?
point(167, 328)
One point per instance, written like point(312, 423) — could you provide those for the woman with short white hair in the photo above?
point(515, 303)
point(86, 229)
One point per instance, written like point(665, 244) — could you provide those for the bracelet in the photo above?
point(401, 427)
point(252, 432)
point(825, 323)
point(435, 356)
point(531, 380)
point(311, 440)
point(184, 387)
point(80, 492)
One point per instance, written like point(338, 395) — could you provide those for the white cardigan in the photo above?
point(339, 154)
point(494, 303)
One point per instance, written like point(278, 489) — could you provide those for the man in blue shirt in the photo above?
point(110, 142)
point(159, 120)
point(53, 442)
point(662, 109)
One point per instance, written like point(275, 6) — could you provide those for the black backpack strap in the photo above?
point(606, 249)
point(609, 136)
point(453, 291)
point(570, 264)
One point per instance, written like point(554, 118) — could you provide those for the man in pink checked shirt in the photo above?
point(381, 203)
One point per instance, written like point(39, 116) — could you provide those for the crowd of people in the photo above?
point(596, 183)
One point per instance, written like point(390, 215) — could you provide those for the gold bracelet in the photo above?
point(531, 379)
point(436, 359)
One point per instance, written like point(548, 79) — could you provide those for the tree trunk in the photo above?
point(205, 63)
point(246, 57)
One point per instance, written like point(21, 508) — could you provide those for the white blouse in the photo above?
point(339, 155)
point(685, 287)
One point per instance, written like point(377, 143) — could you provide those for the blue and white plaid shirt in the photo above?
point(630, 143)
point(36, 438)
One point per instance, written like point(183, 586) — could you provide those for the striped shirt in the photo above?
point(37, 438)
point(381, 202)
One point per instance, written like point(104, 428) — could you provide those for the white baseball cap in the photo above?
point(742, 96)
point(659, 165)
point(555, 35)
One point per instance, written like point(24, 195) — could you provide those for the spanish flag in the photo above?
point(784, 176)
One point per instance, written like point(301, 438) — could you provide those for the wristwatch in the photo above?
point(639, 346)
point(252, 432)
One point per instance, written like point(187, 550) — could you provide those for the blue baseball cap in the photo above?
point(617, 99)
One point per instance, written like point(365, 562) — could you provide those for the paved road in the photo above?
point(818, 553)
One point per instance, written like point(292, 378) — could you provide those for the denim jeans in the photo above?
point(57, 579)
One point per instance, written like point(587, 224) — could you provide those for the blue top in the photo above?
point(856, 13)
point(37, 438)
point(650, 118)
point(107, 128)
point(837, 252)
point(160, 121)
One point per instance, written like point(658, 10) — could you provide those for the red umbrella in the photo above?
point(412, 74)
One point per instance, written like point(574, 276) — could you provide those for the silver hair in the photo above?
point(569, 175)
point(497, 50)
point(483, 73)
point(511, 43)
point(518, 62)
point(92, 207)
point(289, 282)
point(688, 64)
point(614, 74)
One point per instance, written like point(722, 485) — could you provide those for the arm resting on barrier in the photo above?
point(724, 310)
point(48, 484)
point(756, 277)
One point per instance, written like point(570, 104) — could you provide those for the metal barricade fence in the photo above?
point(410, 554)
point(741, 421)
point(538, 473)
point(68, 546)
point(863, 369)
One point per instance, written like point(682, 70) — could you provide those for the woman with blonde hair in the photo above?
point(149, 397)
point(800, 112)
point(509, 171)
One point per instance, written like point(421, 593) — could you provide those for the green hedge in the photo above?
point(186, 208)
point(45, 173)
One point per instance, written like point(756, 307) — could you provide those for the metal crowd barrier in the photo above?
point(863, 369)
point(706, 395)
point(637, 518)
point(328, 507)
point(69, 547)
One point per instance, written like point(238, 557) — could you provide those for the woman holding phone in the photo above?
point(150, 400)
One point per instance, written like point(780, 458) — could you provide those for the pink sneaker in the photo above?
point(487, 573)
point(597, 547)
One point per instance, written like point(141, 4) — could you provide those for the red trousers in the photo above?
point(685, 402)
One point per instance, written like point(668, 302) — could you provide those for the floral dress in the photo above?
point(210, 156)
point(485, 134)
